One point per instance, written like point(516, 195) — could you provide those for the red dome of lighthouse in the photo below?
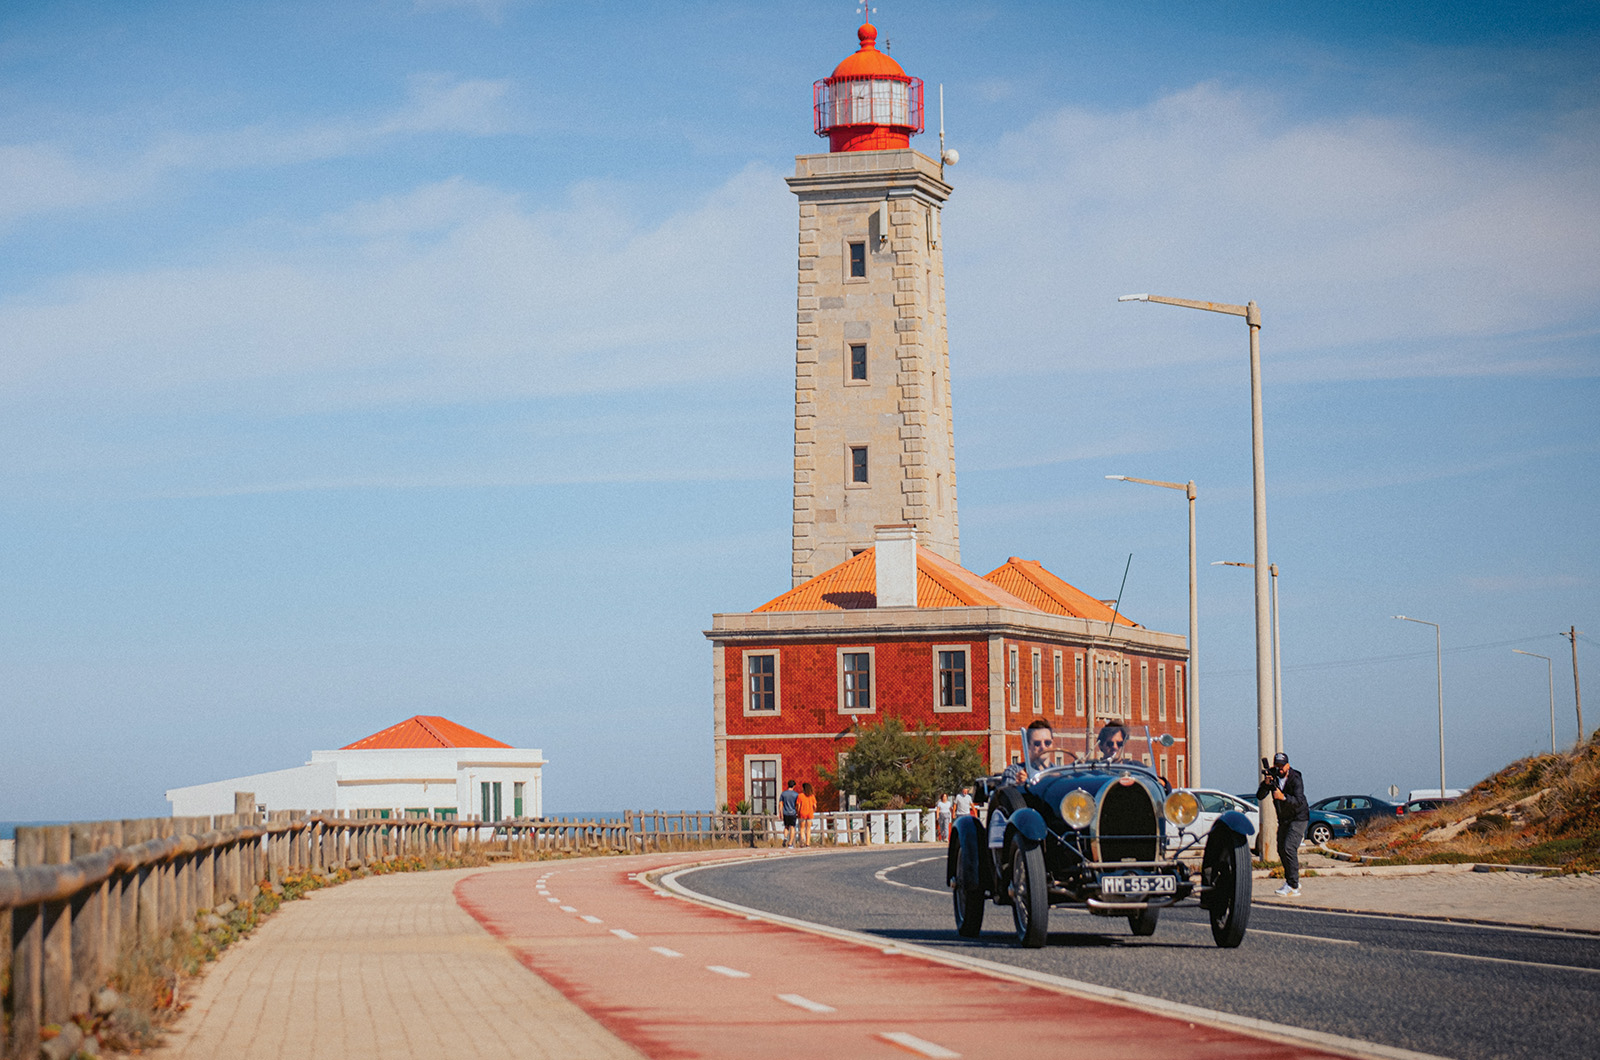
point(869, 103)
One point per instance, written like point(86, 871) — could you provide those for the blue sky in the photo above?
point(381, 358)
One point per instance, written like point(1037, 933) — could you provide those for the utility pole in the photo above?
point(1577, 696)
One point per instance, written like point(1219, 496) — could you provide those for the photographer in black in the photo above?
point(1288, 789)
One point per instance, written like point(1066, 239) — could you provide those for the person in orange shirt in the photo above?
point(808, 810)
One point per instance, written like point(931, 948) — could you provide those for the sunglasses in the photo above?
point(1041, 743)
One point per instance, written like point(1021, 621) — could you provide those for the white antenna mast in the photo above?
point(952, 156)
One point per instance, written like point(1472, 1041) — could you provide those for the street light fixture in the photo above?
point(1438, 649)
point(1552, 668)
point(1192, 684)
point(1277, 653)
point(1266, 738)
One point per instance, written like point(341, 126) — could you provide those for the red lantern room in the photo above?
point(869, 104)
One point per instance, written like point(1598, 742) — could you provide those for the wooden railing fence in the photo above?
point(82, 895)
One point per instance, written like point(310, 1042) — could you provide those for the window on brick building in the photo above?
point(1182, 778)
point(761, 682)
point(858, 464)
point(1013, 681)
point(1038, 684)
point(1162, 772)
point(1177, 691)
point(950, 665)
point(858, 361)
point(1144, 691)
point(763, 784)
point(1077, 685)
point(1055, 672)
point(858, 260)
point(1161, 691)
point(855, 681)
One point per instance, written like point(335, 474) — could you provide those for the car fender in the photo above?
point(1236, 821)
point(970, 839)
point(1029, 827)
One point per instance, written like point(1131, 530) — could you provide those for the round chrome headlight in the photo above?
point(1181, 808)
point(1077, 808)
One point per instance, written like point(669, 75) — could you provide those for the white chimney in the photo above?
point(895, 554)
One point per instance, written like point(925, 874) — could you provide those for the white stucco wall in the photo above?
point(431, 779)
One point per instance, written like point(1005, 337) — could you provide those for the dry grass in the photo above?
point(1540, 810)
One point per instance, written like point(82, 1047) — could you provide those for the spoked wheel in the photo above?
point(1144, 922)
point(1227, 871)
point(1030, 897)
point(967, 893)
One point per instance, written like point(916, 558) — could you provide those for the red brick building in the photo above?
point(977, 658)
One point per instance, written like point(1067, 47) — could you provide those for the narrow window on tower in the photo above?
point(858, 260)
point(858, 464)
point(858, 362)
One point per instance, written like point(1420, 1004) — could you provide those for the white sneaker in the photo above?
point(1287, 892)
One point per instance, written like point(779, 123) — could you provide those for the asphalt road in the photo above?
point(1433, 986)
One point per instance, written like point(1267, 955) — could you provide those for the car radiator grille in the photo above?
point(1128, 826)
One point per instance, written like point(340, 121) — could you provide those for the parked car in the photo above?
point(1324, 824)
point(1092, 835)
point(1213, 804)
point(1425, 805)
point(1362, 807)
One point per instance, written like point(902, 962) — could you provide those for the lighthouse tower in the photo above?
point(873, 443)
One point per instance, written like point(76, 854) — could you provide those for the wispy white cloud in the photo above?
point(43, 177)
point(1358, 232)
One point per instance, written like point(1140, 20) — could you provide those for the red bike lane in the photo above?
point(674, 978)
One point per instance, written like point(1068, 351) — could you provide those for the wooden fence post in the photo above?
point(56, 981)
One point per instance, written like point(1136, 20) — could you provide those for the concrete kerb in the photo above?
point(1475, 866)
point(667, 879)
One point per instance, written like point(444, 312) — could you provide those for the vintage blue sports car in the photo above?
point(1093, 834)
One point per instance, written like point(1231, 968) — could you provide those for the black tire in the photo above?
point(966, 892)
point(1320, 832)
point(1144, 922)
point(1229, 902)
point(1030, 897)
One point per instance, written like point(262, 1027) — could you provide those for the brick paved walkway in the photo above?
point(384, 967)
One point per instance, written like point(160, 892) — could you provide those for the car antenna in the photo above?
point(1117, 608)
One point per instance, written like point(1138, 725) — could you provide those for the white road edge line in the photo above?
point(882, 876)
point(1308, 938)
point(665, 952)
point(1508, 960)
point(1141, 1002)
point(1453, 922)
point(921, 1046)
point(731, 973)
point(806, 1003)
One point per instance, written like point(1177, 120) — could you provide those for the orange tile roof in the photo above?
point(424, 730)
point(1044, 591)
point(853, 585)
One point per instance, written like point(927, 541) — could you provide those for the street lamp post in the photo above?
point(1266, 737)
point(1552, 668)
point(1192, 674)
point(1277, 651)
point(1438, 651)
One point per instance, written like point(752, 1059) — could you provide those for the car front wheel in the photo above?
point(1227, 872)
point(967, 893)
point(1320, 832)
point(1030, 897)
point(1144, 921)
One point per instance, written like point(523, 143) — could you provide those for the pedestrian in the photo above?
point(941, 816)
point(963, 803)
point(807, 807)
point(789, 803)
point(1288, 790)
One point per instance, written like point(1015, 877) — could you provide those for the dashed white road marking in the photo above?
point(665, 952)
point(566, 909)
point(731, 973)
point(1308, 938)
point(806, 1003)
point(591, 919)
point(1508, 960)
point(892, 951)
point(621, 934)
point(553, 901)
point(920, 1046)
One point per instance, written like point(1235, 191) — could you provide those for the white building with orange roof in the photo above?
point(423, 766)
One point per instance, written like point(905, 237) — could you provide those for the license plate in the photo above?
point(1138, 884)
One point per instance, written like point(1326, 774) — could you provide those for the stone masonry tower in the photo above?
point(873, 443)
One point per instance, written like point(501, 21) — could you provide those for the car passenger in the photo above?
point(1038, 753)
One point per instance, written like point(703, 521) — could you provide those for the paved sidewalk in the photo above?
point(385, 967)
